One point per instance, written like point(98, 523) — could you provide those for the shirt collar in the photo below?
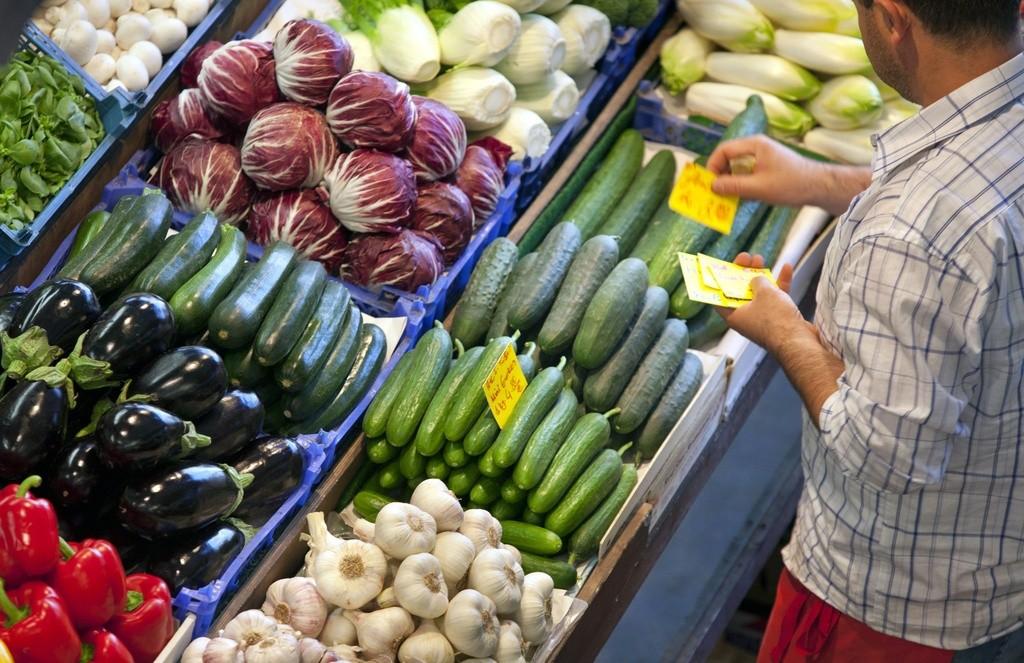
point(949, 116)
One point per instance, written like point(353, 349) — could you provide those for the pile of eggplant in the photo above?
point(135, 432)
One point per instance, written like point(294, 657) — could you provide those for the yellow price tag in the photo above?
point(730, 284)
point(734, 281)
point(505, 384)
point(693, 198)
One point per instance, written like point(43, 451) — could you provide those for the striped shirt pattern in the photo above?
point(912, 514)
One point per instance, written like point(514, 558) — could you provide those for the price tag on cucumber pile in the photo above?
point(504, 386)
point(693, 198)
point(717, 282)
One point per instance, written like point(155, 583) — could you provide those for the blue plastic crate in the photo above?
point(659, 125)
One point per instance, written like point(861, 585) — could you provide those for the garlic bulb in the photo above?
point(434, 497)
point(534, 613)
point(419, 586)
point(482, 528)
point(402, 530)
point(426, 645)
point(362, 528)
point(194, 652)
point(381, 631)
point(311, 650)
point(511, 648)
point(223, 650)
point(471, 624)
point(387, 598)
point(455, 552)
point(496, 574)
point(338, 630)
point(347, 573)
point(250, 628)
point(297, 603)
point(515, 552)
point(282, 647)
point(478, 660)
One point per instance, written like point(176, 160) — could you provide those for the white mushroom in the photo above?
point(140, 6)
point(101, 68)
point(51, 3)
point(105, 41)
point(44, 26)
point(161, 4)
point(116, 52)
point(132, 72)
point(65, 15)
point(79, 41)
point(191, 11)
point(57, 35)
point(120, 7)
point(169, 34)
point(157, 15)
point(132, 28)
point(98, 11)
point(150, 56)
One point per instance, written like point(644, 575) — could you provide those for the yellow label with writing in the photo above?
point(504, 386)
point(693, 198)
point(734, 281)
point(699, 291)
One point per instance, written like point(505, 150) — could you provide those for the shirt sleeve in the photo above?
point(908, 331)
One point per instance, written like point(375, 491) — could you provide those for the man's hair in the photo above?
point(957, 19)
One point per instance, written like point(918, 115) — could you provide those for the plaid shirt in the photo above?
point(912, 514)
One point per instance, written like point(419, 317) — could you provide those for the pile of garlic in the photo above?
point(121, 43)
point(424, 583)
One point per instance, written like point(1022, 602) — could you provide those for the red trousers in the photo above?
point(803, 628)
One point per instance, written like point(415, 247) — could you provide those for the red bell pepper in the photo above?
point(146, 624)
point(28, 534)
point(90, 579)
point(37, 628)
point(101, 646)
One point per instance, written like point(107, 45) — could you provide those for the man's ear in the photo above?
point(896, 19)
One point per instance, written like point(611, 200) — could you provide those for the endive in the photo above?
point(683, 60)
point(852, 147)
point(481, 97)
point(823, 52)
point(554, 99)
point(810, 15)
point(481, 33)
point(538, 52)
point(735, 24)
point(847, 102)
point(586, 32)
point(769, 73)
point(525, 132)
point(404, 40)
point(722, 103)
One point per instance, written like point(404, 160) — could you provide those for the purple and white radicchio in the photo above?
point(303, 219)
point(288, 146)
point(371, 110)
point(482, 175)
point(238, 79)
point(183, 116)
point(200, 175)
point(405, 260)
point(193, 63)
point(310, 58)
point(371, 191)
point(444, 211)
point(438, 141)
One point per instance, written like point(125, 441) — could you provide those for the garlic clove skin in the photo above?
point(297, 603)
point(249, 628)
point(514, 551)
point(338, 630)
point(534, 613)
point(426, 645)
point(478, 660)
point(381, 631)
point(282, 647)
point(223, 650)
point(511, 648)
point(403, 529)
point(433, 496)
point(456, 553)
point(194, 652)
point(311, 650)
point(420, 587)
point(482, 528)
point(387, 598)
point(496, 574)
point(471, 624)
point(348, 574)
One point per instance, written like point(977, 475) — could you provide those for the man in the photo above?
point(909, 538)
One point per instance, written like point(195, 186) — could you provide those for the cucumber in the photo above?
point(486, 491)
point(390, 475)
point(482, 435)
point(563, 573)
point(380, 452)
point(528, 360)
point(243, 369)
point(193, 303)
point(237, 318)
point(673, 403)
point(180, 257)
point(309, 353)
point(530, 538)
point(502, 510)
point(462, 480)
point(469, 400)
point(126, 254)
point(608, 185)
point(669, 234)
point(454, 455)
point(652, 376)
point(534, 404)
point(706, 327)
point(411, 464)
point(512, 493)
point(432, 359)
point(604, 386)
point(368, 504)
point(115, 225)
point(587, 493)
point(88, 230)
point(532, 517)
point(522, 272)
point(587, 438)
point(364, 479)
point(535, 295)
point(436, 468)
point(375, 420)
point(293, 307)
point(476, 307)
point(586, 539)
point(610, 314)
point(545, 441)
point(651, 187)
point(488, 467)
point(555, 211)
point(430, 435)
point(324, 385)
point(772, 234)
point(593, 263)
point(575, 377)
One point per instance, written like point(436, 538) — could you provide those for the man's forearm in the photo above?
point(812, 369)
point(838, 186)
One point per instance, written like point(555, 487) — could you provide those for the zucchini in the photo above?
point(608, 185)
point(610, 313)
point(502, 510)
point(522, 272)
point(563, 573)
point(673, 403)
point(293, 307)
point(180, 257)
point(193, 303)
point(534, 404)
point(586, 539)
point(454, 455)
point(411, 463)
point(125, 254)
point(237, 318)
point(469, 400)
point(588, 436)
point(380, 452)
point(436, 468)
point(324, 385)
point(368, 504)
point(462, 480)
point(390, 475)
point(653, 375)
point(535, 294)
point(771, 236)
point(375, 420)
point(488, 467)
point(532, 517)
point(512, 493)
point(651, 187)
point(430, 435)
point(88, 230)
point(545, 440)
point(706, 327)
point(587, 493)
point(476, 307)
point(485, 491)
point(593, 263)
point(432, 359)
point(243, 369)
point(604, 386)
point(309, 353)
point(116, 224)
point(530, 538)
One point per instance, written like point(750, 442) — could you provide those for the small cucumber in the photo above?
point(437, 468)
point(532, 517)
point(127, 253)
point(655, 372)
point(528, 360)
point(488, 467)
point(310, 352)
point(237, 318)
point(469, 401)
point(671, 233)
point(375, 420)
point(292, 309)
point(512, 493)
point(588, 437)
point(476, 307)
point(706, 328)
point(651, 187)
point(522, 272)
point(430, 436)
point(462, 480)
point(587, 493)
point(193, 303)
point(181, 256)
point(454, 455)
point(535, 295)
point(586, 539)
point(88, 230)
point(380, 452)
point(545, 441)
point(563, 573)
point(530, 538)
point(502, 510)
point(534, 404)
point(432, 359)
point(390, 475)
point(486, 491)
point(575, 377)
point(365, 479)
point(673, 403)
point(324, 386)
point(607, 187)
point(610, 314)
point(411, 464)
point(482, 435)
point(243, 369)
point(368, 504)
point(771, 236)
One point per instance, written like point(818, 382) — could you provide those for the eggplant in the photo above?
point(141, 437)
point(10, 304)
point(81, 476)
point(179, 499)
point(33, 419)
point(196, 560)
point(187, 381)
point(231, 424)
point(129, 333)
point(277, 465)
point(63, 308)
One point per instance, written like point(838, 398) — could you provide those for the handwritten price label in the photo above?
point(693, 198)
point(504, 386)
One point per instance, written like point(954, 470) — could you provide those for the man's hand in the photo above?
point(771, 317)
